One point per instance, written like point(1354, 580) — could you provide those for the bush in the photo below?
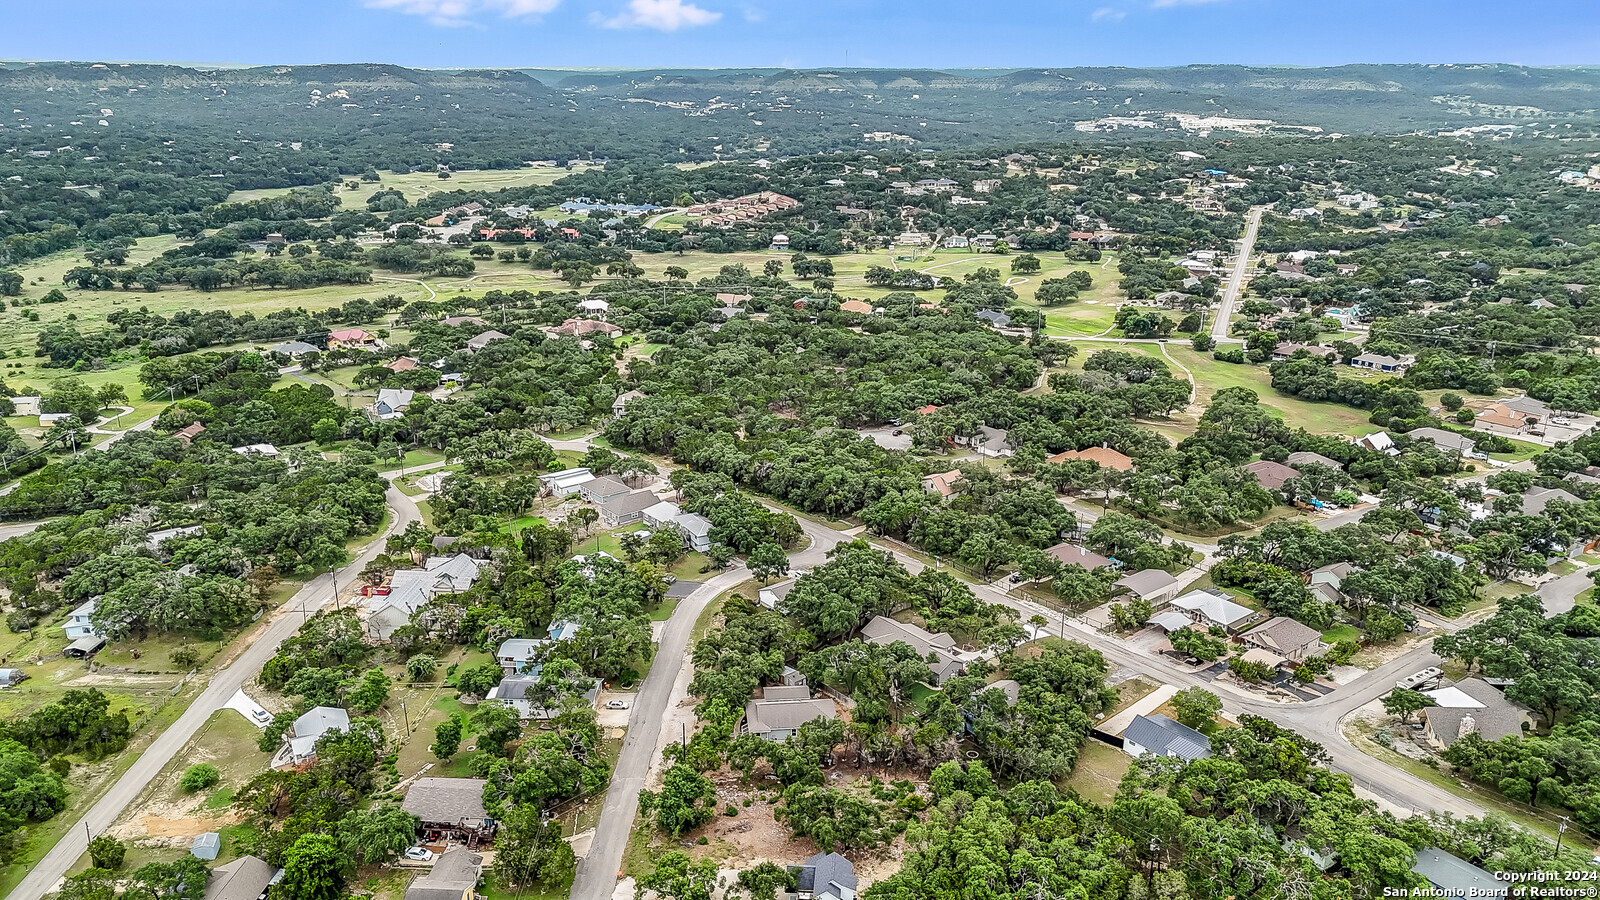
point(106, 852)
point(1232, 355)
point(184, 657)
point(198, 777)
point(1450, 401)
point(1203, 342)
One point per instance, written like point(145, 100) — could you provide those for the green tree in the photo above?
point(421, 667)
point(198, 777)
point(687, 799)
point(676, 877)
point(1406, 703)
point(447, 737)
point(372, 692)
point(313, 869)
point(768, 561)
point(377, 833)
point(106, 852)
point(1196, 706)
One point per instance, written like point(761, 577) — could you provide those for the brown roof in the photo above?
point(1072, 554)
point(1272, 475)
point(403, 364)
point(944, 482)
point(855, 306)
point(1283, 636)
point(1102, 456)
point(1503, 416)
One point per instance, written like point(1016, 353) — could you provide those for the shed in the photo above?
point(206, 846)
point(84, 646)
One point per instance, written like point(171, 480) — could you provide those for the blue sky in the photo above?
point(804, 33)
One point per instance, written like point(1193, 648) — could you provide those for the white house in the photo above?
point(485, 339)
point(696, 531)
point(515, 655)
point(300, 741)
point(78, 624)
point(566, 482)
point(412, 589)
point(392, 403)
point(620, 405)
point(661, 514)
point(1158, 735)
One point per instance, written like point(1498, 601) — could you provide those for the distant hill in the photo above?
point(698, 114)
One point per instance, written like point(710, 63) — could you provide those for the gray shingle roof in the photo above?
point(445, 799)
point(243, 879)
point(762, 716)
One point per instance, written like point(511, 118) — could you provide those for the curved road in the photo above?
point(281, 624)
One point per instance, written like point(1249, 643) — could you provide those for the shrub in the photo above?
point(198, 777)
point(185, 657)
point(106, 852)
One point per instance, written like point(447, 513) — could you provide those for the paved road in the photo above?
point(1317, 719)
point(597, 873)
point(1560, 594)
point(217, 694)
point(1230, 293)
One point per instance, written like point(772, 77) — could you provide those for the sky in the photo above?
point(803, 33)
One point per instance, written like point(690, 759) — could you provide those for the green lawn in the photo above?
point(1211, 376)
point(1341, 633)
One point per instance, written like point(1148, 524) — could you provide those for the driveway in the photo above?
point(250, 709)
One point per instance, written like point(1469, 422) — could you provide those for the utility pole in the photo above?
point(405, 715)
point(1561, 831)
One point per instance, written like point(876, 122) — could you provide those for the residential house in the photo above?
point(26, 406)
point(402, 364)
point(942, 483)
point(855, 306)
point(1271, 475)
point(594, 305)
point(1325, 580)
point(458, 321)
point(513, 691)
point(780, 242)
point(517, 654)
point(353, 339)
point(1073, 555)
point(485, 339)
point(246, 878)
point(939, 648)
point(293, 349)
point(620, 405)
point(1471, 706)
point(411, 589)
point(779, 719)
point(1451, 876)
point(1500, 418)
point(566, 482)
point(300, 741)
point(266, 450)
point(582, 327)
point(392, 403)
point(661, 514)
point(792, 677)
point(1537, 498)
point(824, 876)
point(450, 810)
point(1307, 458)
point(955, 242)
point(985, 241)
point(993, 443)
point(627, 509)
point(1157, 735)
point(1378, 362)
point(1213, 608)
point(1287, 638)
point(454, 876)
point(772, 595)
point(1170, 621)
point(1379, 441)
point(696, 531)
point(1104, 457)
point(995, 318)
point(1151, 585)
point(1445, 440)
point(602, 490)
point(51, 420)
point(78, 624)
point(1286, 349)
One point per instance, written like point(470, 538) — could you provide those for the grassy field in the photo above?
point(1099, 770)
point(418, 185)
point(1211, 376)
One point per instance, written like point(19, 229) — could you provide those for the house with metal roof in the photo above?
point(515, 654)
point(1157, 735)
point(78, 624)
point(661, 514)
point(603, 490)
point(566, 482)
point(1208, 608)
point(1453, 876)
point(300, 741)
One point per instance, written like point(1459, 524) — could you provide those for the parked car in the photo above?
point(420, 854)
point(616, 704)
point(1016, 577)
point(262, 716)
point(1561, 420)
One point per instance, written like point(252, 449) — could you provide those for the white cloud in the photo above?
point(1107, 14)
point(461, 12)
point(662, 15)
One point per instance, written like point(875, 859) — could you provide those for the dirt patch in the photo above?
point(169, 824)
point(125, 682)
